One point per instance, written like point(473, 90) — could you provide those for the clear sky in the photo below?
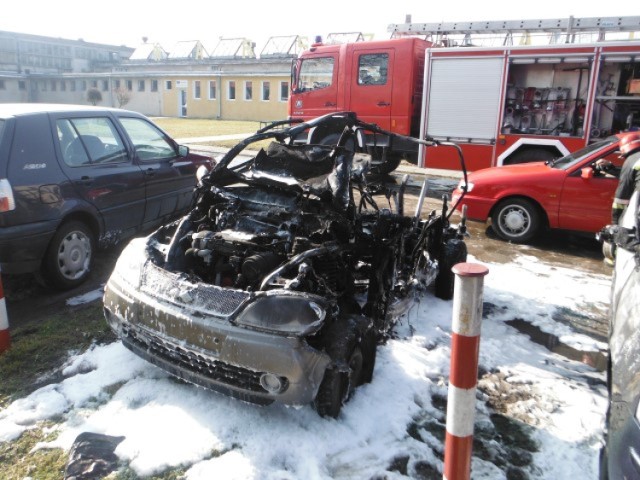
point(127, 21)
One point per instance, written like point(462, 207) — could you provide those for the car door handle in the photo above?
point(85, 180)
point(384, 104)
point(329, 104)
point(150, 172)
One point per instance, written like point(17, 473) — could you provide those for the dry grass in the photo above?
point(200, 127)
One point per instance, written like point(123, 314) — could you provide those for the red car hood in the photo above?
point(509, 173)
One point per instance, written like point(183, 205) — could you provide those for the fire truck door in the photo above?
point(372, 84)
point(316, 87)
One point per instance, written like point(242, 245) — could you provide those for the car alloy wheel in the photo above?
point(516, 220)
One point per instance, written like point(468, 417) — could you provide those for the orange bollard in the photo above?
point(5, 340)
point(463, 377)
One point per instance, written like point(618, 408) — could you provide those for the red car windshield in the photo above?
point(565, 163)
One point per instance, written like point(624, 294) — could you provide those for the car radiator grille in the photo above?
point(218, 371)
point(216, 301)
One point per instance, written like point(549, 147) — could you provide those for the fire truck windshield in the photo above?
point(314, 74)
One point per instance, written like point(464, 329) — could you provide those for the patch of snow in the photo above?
point(167, 423)
point(88, 297)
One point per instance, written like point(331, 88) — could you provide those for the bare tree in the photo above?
point(94, 96)
point(122, 96)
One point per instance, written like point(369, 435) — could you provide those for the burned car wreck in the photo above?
point(286, 274)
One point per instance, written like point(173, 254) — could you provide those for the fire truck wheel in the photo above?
point(516, 220)
point(332, 139)
point(526, 155)
point(388, 166)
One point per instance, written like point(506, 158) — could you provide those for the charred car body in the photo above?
point(285, 275)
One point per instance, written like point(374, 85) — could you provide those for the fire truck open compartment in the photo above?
point(514, 104)
point(547, 96)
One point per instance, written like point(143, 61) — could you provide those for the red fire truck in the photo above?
point(503, 104)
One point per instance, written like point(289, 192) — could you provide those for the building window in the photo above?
point(196, 89)
point(284, 91)
point(105, 85)
point(168, 85)
point(231, 94)
point(141, 85)
point(22, 85)
point(63, 86)
point(212, 89)
point(248, 90)
point(2, 85)
point(266, 91)
point(53, 85)
point(94, 84)
point(154, 85)
point(130, 85)
point(73, 85)
point(116, 84)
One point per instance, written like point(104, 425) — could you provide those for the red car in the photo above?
point(568, 193)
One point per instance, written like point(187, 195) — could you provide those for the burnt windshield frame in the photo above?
point(568, 161)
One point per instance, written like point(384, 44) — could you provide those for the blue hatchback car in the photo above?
point(621, 455)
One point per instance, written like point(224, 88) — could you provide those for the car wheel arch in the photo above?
point(83, 217)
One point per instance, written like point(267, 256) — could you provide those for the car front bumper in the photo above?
point(198, 342)
point(478, 208)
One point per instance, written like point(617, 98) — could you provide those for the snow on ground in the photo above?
point(538, 414)
point(86, 297)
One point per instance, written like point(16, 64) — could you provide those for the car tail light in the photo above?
point(7, 203)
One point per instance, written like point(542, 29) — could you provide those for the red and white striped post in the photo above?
point(5, 340)
point(465, 348)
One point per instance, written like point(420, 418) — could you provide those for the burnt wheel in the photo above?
point(69, 257)
point(369, 347)
point(516, 219)
point(338, 385)
point(454, 251)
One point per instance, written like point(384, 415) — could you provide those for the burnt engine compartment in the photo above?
point(258, 238)
point(245, 233)
point(306, 218)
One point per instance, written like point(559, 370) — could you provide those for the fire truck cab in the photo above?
point(380, 80)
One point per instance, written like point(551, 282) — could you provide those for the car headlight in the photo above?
point(283, 314)
point(128, 268)
point(462, 184)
